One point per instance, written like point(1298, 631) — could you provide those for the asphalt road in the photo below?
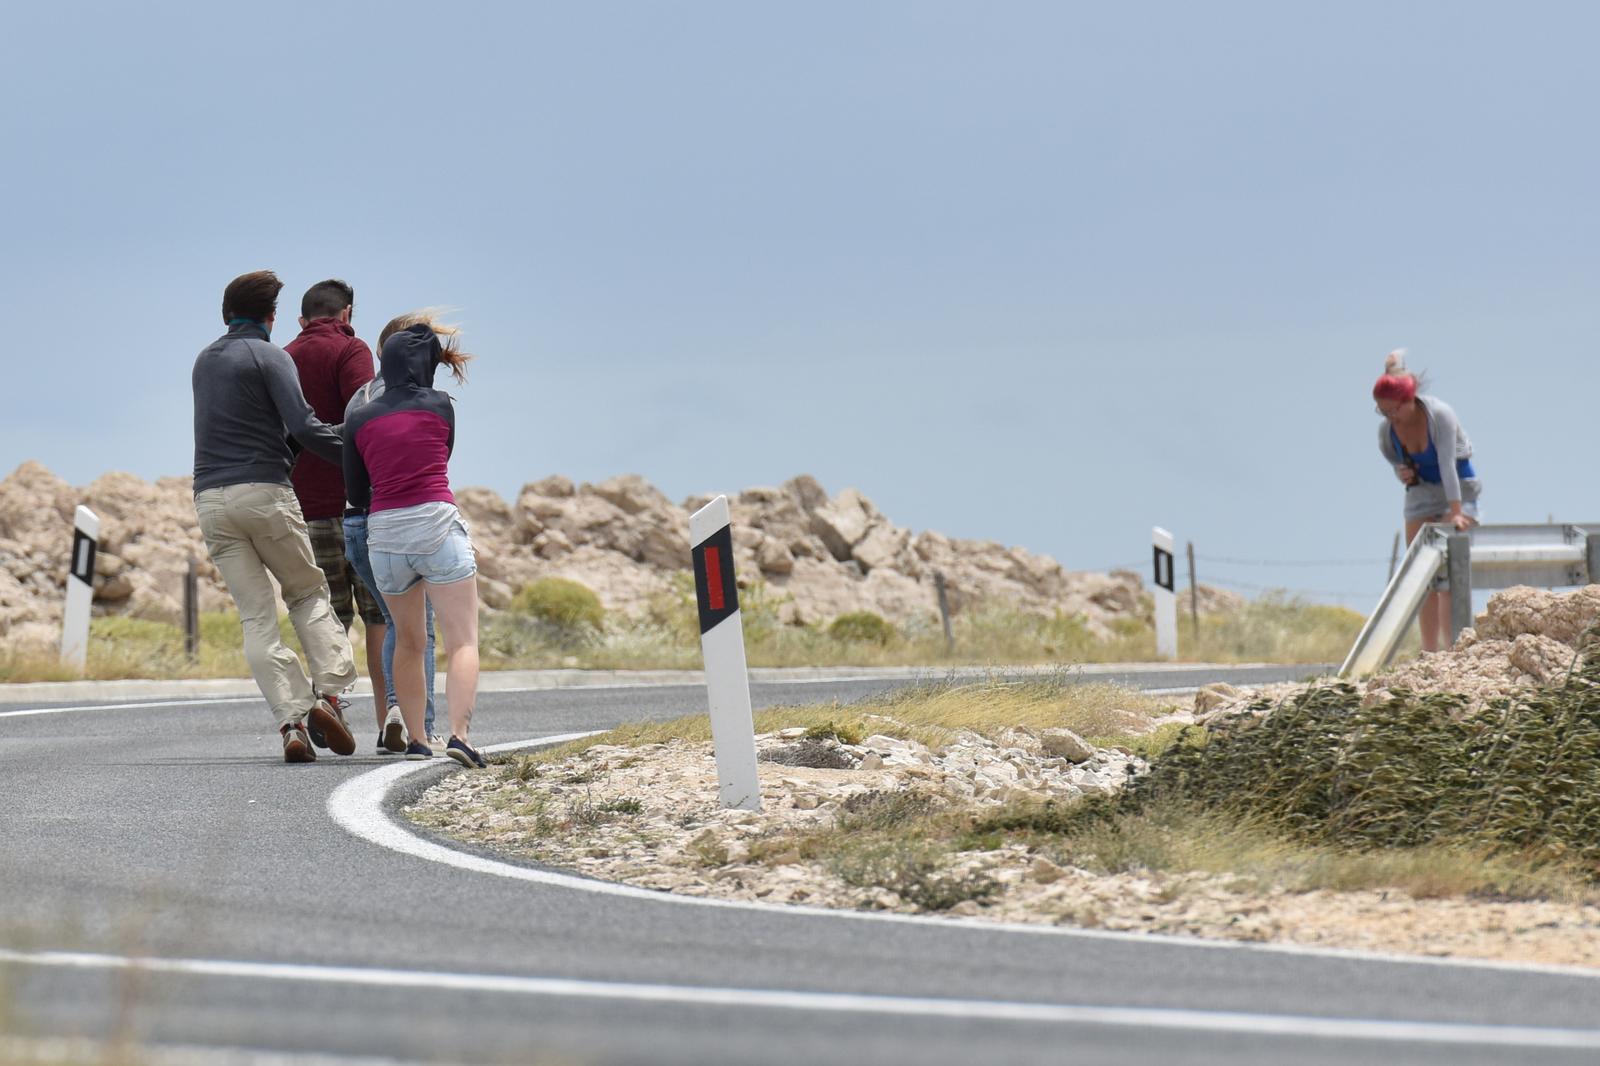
point(173, 833)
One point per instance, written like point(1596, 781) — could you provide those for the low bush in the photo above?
point(560, 602)
point(1523, 774)
point(862, 627)
point(849, 733)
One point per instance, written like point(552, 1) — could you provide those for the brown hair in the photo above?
point(326, 299)
point(253, 296)
point(449, 337)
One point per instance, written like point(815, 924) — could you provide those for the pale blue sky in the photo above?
point(1046, 273)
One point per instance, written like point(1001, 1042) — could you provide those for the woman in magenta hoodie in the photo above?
point(398, 468)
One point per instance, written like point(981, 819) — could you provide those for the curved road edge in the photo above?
point(363, 807)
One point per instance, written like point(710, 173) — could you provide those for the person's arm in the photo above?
point(362, 397)
point(1442, 424)
point(357, 481)
point(302, 423)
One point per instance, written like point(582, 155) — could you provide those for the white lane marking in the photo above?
point(129, 706)
point(688, 682)
point(1289, 1025)
point(357, 806)
point(207, 700)
point(67, 1049)
point(200, 701)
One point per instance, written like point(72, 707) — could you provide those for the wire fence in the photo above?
point(1342, 595)
point(1227, 581)
point(1229, 561)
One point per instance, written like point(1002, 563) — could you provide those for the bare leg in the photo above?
point(408, 610)
point(375, 635)
point(455, 609)
point(1435, 613)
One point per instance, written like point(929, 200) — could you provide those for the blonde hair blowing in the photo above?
point(449, 337)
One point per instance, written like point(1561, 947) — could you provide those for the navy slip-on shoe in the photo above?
point(465, 754)
point(418, 750)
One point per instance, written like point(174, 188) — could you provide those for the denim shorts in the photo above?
point(1425, 501)
point(450, 562)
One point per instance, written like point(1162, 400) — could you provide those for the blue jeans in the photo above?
point(355, 549)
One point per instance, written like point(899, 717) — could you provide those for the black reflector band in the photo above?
point(714, 588)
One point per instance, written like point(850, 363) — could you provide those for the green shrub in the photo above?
point(862, 627)
point(848, 733)
point(560, 602)
point(1416, 770)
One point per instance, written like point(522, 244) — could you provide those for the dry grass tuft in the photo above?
point(1274, 628)
point(121, 647)
point(1178, 840)
point(931, 713)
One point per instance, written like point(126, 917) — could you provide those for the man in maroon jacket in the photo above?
point(333, 363)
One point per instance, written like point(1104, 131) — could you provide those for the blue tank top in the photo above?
point(1427, 460)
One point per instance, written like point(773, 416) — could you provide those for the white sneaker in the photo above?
point(394, 731)
point(435, 740)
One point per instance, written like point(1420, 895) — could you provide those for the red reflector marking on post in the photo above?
point(714, 578)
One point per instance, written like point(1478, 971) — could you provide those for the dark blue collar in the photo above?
point(236, 325)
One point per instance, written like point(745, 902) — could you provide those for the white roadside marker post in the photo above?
point(1166, 599)
point(722, 642)
point(80, 588)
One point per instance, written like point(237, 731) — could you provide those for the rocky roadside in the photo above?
point(648, 816)
point(1526, 637)
point(817, 556)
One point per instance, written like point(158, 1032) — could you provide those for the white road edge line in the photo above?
point(201, 700)
point(357, 806)
point(1287, 1025)
point(755, 682)
point(130, 706)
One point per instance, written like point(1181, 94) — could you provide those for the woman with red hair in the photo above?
point(1431, 455)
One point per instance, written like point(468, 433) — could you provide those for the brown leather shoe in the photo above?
point(327, 718)
point(296, 745)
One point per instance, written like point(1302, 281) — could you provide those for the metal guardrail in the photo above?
point(1485, 557)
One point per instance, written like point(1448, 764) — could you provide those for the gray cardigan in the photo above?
point(247, 407)
point(1449, 439)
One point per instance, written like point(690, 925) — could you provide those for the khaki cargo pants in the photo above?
point(255, 529)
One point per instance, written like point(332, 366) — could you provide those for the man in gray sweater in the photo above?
point(250, 419)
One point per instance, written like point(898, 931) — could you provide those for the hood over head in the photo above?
point(410, 357)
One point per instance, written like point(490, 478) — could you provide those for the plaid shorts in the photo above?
point(345, 588)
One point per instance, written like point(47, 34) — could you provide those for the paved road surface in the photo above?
point(172, 833)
